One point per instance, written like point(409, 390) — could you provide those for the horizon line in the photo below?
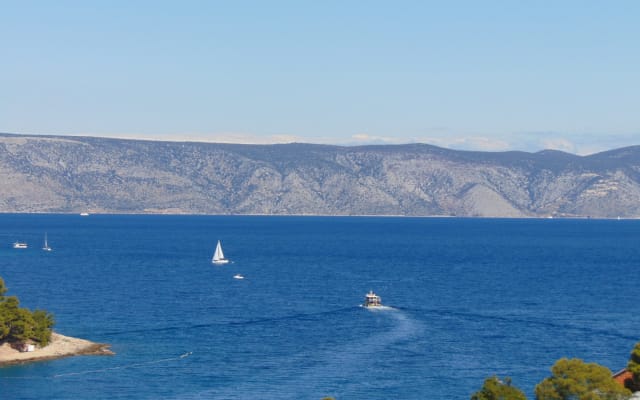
point(280, 140)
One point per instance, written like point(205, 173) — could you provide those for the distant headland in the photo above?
point(27, 336)
point(60, 346)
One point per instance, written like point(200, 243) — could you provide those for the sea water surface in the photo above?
point(468, 298)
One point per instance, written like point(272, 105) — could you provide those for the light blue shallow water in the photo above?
point(468, 298)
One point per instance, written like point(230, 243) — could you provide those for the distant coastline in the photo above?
point(185, 213)
point(60, 347)
point(156, 177)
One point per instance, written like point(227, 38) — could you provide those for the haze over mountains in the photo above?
point(59, 174)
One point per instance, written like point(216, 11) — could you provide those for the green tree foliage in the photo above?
point(573, 379)
point(634, 367)
point(20, 325)
point(9, 307)
point(43, 324)
point(497, 389)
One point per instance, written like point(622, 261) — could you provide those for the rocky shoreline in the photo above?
point(61, 346)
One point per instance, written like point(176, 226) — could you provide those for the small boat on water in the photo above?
point(20, 245)
point(372, 300)
point(218, 255)
point(46, 245)
point(238, 276)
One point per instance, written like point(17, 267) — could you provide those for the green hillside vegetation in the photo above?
point(19, 325)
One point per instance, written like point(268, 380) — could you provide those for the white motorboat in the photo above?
point(372, 300)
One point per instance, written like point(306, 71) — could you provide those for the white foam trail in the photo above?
point(378, 308)
point(349, 358)
point(331, 364)
point(134, 365)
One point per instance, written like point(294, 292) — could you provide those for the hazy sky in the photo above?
point(487, 75)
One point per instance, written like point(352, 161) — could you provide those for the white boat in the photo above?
point(372, 300)
point(238, 276)
point(46, 245)
point(84, 214)
point(218, 256)
point(20, 245)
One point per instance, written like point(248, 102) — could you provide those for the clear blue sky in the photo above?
point(487, 75)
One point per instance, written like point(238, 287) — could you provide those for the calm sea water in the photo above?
point(469, 298)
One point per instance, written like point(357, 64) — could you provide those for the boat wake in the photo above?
point(348, 359)
point(103, 370)
point(316, 372)
point(125, 366)
point(378, 308)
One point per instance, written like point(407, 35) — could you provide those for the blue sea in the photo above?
point(468, 298)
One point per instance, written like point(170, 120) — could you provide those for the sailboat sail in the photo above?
point(46, 245)
point(218, 256)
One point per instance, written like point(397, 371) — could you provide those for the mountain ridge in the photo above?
point(70, 174)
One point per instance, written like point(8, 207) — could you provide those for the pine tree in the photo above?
point(634, 367)
point(497, 389)
point(18, 324)
point(573, 379)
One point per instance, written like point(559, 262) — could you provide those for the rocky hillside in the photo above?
point(57, 174)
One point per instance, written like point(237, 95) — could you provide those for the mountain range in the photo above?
point(70, 174)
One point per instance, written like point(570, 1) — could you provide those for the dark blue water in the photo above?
point(470, 297)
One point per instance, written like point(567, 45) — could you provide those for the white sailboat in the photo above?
point(218, 256)
point(46, 245)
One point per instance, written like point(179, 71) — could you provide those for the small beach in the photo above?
point(61, 346)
